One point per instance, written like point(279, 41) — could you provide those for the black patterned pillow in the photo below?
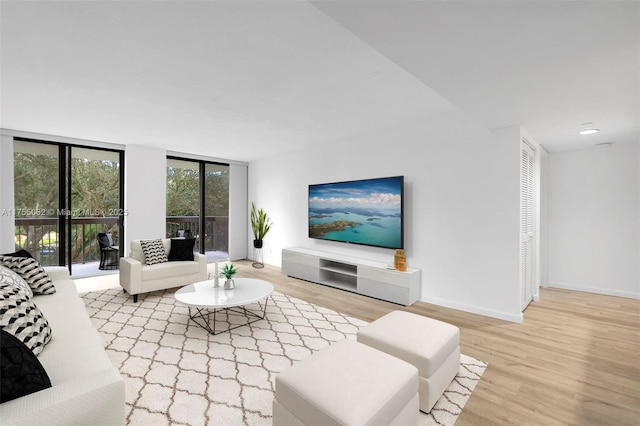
point(181, 249)
point(31, 271)
point(153, 251)
point(8, 276)
point(19, 253)
point(22, 318)
point(20, 369)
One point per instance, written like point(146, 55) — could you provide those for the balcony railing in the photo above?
point(39, 236)
point(216, 232)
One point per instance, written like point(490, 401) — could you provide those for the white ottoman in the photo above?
point(432, 346)
point(347, 383)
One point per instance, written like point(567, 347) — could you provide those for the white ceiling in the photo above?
point(245, 80)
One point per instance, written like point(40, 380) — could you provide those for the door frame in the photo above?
point(535, 231)
point(65, 194)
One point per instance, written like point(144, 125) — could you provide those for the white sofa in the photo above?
point(86, 387)
point(137, 277)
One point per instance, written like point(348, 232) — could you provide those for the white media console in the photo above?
point(361, 276)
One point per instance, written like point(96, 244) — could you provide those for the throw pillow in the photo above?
point(22, 318)
point(19, 253)
point(10, 277)
point(20, 369)
point(153, 251)
point(31, 271)
point(181, 249)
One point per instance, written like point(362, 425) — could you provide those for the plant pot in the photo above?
point(229, 284)
point(257, 244)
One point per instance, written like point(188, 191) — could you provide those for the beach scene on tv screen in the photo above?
point(361, 212)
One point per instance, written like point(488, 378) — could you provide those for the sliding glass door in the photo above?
point(36, 169)
point(198, 204)
point(183, 200)
point(216, 210)
point(64, 197)
point(95, 197)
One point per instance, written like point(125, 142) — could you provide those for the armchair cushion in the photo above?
point(181, 249)
point(153, 251)
point(169, 270)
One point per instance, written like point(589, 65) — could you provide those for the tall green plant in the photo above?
point(260, 223)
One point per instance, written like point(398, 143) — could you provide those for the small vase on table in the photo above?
point(229, 270)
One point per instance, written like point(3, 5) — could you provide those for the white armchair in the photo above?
point(137, 277)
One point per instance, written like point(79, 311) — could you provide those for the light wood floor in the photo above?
point(575, 359)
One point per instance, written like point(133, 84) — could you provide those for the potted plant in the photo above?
point(260, 224)
point(229, 270)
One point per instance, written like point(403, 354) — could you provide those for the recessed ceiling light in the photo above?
point(588, 131)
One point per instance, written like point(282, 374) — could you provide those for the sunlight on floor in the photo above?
point(99, 282)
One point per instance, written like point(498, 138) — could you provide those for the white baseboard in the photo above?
point(604, 291)
point(517, 318)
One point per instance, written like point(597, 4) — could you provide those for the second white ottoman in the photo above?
point(432, 346)
point(347, 383)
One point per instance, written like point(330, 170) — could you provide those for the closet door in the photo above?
point(527, 223)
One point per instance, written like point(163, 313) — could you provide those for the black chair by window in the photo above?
point(109, 256)
point(185, 233)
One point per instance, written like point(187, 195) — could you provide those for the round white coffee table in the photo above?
point(208, 300)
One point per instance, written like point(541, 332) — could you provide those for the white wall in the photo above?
point(238, 211)
point(594, 220)
point(509, 138)
point(7, 205)
point(461, 206)
point(543, 248)
point(145, 192)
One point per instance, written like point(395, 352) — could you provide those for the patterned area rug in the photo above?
point(178, 374)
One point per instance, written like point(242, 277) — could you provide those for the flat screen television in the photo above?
point(368, 212)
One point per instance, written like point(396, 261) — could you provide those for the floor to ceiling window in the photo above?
point(216, 208)
point(198, 204)
point(37, 197)
point(64, 196)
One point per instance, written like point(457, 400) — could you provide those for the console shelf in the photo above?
point(339, 268)
point(361, 276)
